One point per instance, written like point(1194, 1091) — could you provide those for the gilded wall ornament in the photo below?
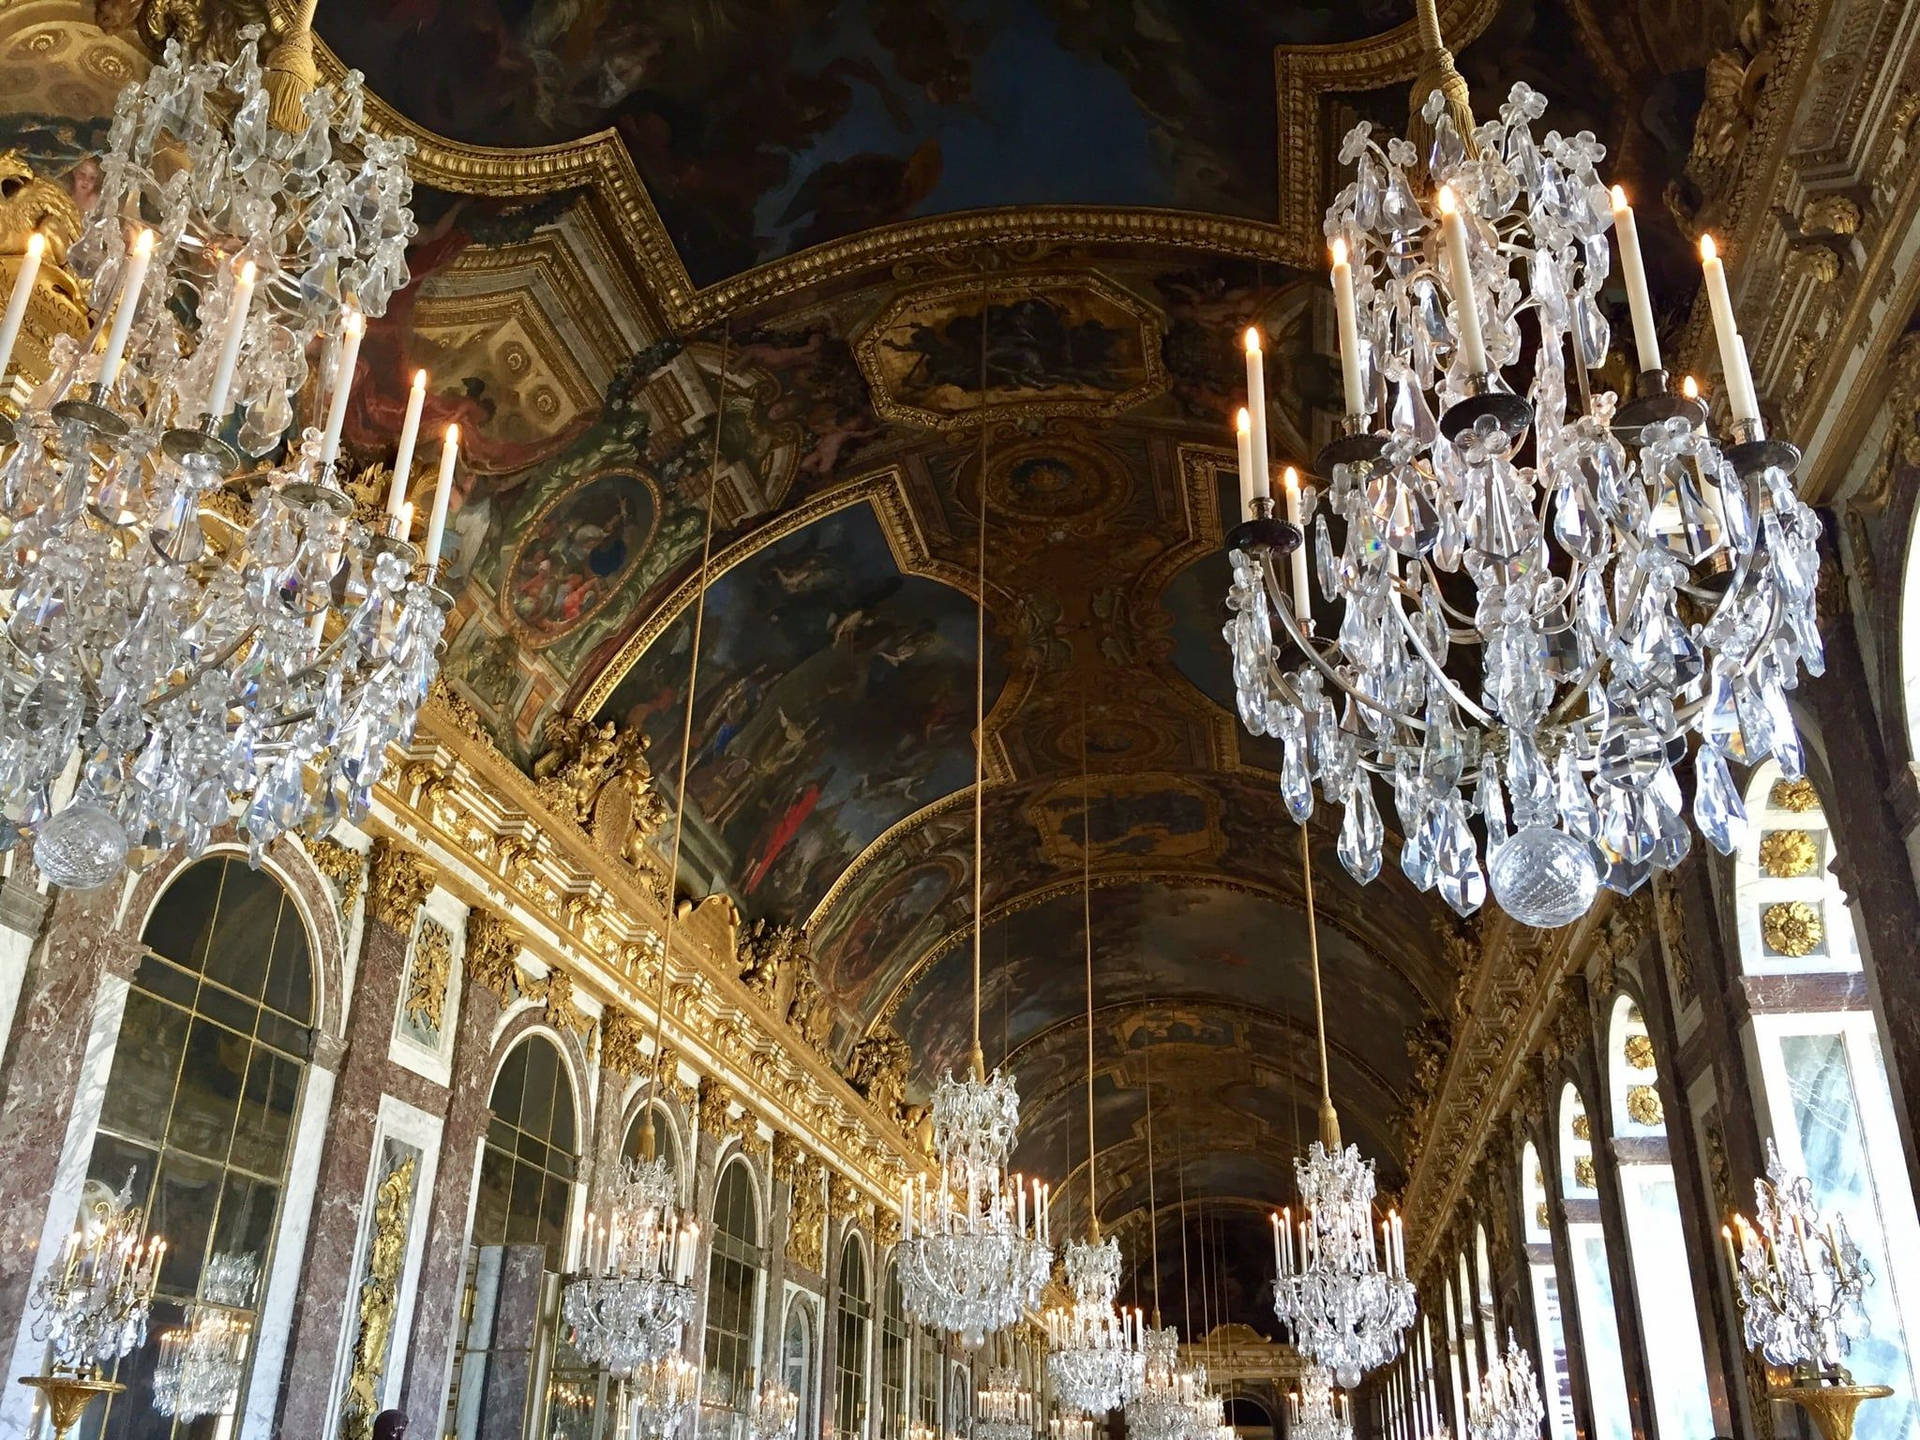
point(1792, 928)
point(714, 1098)
point(1672, 919)
point(1582, 1127)
point(878, 1068)
point(622, 1037)
point(1798, 796)
point(1540, 1215)
point(399, 885)
point(1583, 1173)
point(493, 949)
point(1787, 854)
point(766, 949)
point(344, 867)
point(1644, 1107)
point(379, 1299)
point(886, 1227)
point(426, 999)
point(1639, 1051)
point(556, 989)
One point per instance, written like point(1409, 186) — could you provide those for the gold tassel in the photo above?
point(1437, 72)
point(292, 73)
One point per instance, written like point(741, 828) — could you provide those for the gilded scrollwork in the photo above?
point(555, 988)
point(493, 950)
point(344, 867)
point(623, 1042)
point(428, 976)
point(379, 1298)
point(878, 1068)
point(400, 880)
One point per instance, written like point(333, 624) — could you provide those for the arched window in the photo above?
point(733, 1293)
point(854, 1317)
point(1592, 1281)
point(1247, 1416)
point(1483, 1302)
point(926, 1375)
point(1470, 1346)
point(959, 1401)
point(520, 1219)
point(1545, 1279)
point(197, 1122)
point(1452, 1320)
point(796, 1367)
point(1429, 1380)
point(1822, 1079)
point(893, 1360)
point(1656, 1245)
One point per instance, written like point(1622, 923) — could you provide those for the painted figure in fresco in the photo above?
point(578, 552)
point(1032, 344)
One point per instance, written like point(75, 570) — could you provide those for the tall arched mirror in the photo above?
point(853, 1319)
point(733, 1307)
point(1592, 1279)
point(1544, 1277)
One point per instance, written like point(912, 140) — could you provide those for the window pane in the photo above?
point(265, 1128)
point(152, 1036)
point(1606, 1378)
point(208, 1098)
point(183, 918)
point(184, 1204)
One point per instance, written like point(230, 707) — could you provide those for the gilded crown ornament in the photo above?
point(1515, 560)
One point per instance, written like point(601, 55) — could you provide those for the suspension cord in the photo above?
point(980, 709)
point(686, 747)
point(1329, 1120)
point(1086, 919)
point(1153, 1205)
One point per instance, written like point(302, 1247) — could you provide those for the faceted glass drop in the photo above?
point(1544, 877)
point(1717, 807)
point(1361, 834)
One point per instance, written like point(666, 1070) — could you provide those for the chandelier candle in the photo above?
point(351, 330)
point(1733, 350)
point(241, 302)
point(403, 457)
point(1633, 270)
point(442, 493)
point(1243, 438)
point(1302, 601)
point(133, 279)
point(1453, 232)
point(1349, 325)
point(22, 292)
point(1257, 415)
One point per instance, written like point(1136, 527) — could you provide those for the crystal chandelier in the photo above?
point(1070, 1427)
point(1162, 1407)
point(971, 1261)
point(1509, 1406)
point(92, 1307)
point(664, 1390)
point(775, 1409)
point(201, 1364)
point(1542, 593)
point(1799, 1278)
point(1315, 1412)
point(632, 1297)
point(208, 655)
point(1341, 1287)
point(1094, 1354)
point(1004, 1408)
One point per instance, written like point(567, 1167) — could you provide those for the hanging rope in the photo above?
point(686, 750)
point(1086, 920)
point(1180, 1180)
point(1329, 1121)
point(1153, 1205)
point(980, 710)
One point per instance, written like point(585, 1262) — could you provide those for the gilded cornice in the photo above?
point(496, 845)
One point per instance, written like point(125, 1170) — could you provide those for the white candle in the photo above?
point(22, 293)
point(1302, 601)
point(351, 329)
point(1349, 323)
point(1733, 350)
point(442, 493)
point(133, 278)
point(1021, 1191)
point(230, 342)
point(1453, 230)
point(409, 435)
point(1257, 415)
point(1646, 339)
point(1243, 438)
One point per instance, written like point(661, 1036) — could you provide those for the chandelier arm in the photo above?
point(1446, 682)
point(1283, 609)
point(686, 749)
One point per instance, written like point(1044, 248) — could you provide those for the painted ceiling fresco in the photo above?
point(763, 128)
point(840, 427)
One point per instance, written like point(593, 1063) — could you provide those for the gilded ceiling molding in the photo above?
point(885, 490)
point(1303, 75)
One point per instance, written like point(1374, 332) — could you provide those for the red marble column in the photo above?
point(398, 884)
point(491, 948)
point(40, 1074)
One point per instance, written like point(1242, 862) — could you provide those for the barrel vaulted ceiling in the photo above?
point(846, 262)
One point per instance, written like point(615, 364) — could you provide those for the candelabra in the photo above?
point(1162, 1407)
point(632, 1297)
point(1516, 641)
point(663, 1394)
point(1004, 1408)
point(973, 1260)
point(1509, 1406)
point(92, 1307)
point(775, 1409)
point(1094, 1349)
point(1315, 1411)
point(208, 656)
point(1346, 1304)
point(1799, 1280)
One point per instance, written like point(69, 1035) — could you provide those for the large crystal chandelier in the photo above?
point(1094, 1352)
point(776, 1409)
point(1315, 1411)
point(1509, 1406)
point(632, 1297)
point(971, 1260)
point(663, 1395)
point(1341, 1286)
point(1004, 1408)
point(1542, 593)
point(211, 641)
point(1093, 1347)
point(91, 1308)
point(1161, 1408)
point(201, 1364)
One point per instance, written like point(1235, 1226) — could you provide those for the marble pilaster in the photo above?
point(436, 1308)
point(40, 1077)
point(399, 884)
point(511, 1352)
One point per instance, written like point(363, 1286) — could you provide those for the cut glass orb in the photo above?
point(80, 848)
point(1544, 877)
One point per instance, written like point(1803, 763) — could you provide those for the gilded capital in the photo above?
point(622, 1038)
point(493, 948)
point(715, 1096)
point(399, 885)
